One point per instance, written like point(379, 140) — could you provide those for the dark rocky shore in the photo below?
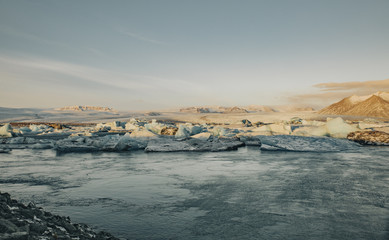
point(18, 221)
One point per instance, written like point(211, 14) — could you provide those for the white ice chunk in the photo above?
point(338, 128)
point(155, 127)
point(203, 136)
point(143, 133)
point(6, 131)
point(222, 132)
point(24, 130)
point(279, 128)
point(182, 132)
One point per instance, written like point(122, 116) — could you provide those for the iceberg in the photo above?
point(24, 130)
point(279, 128)
point(6, 131)
point(113, 126)
point(273, 129)
point(222, 132)
point(336, 128)
point(127, 142)
point(155, 127)
point(203, 136)
point(143, 133)
point(186, 130)
point(306, 144)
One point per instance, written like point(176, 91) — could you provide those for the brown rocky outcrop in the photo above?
point(369, 137)
point(170, 131)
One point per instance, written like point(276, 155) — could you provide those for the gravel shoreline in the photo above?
point(18, 221)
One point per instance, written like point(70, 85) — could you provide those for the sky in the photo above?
point(144, 54)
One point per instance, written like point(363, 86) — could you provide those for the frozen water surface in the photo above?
point(244, 194)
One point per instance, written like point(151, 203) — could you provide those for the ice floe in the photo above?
point(306, 144)
point(192, 145)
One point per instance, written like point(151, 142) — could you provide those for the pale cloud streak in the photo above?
point(376, 85)
point(139, 37)
point(137, 84)
point(331, 92)
point(29, 36)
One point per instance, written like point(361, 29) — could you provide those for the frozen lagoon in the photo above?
point(243, 194)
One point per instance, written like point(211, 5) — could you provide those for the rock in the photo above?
point(246, 123)
point(369, 137)
point(30, 222)
point(7, 226)
point(170, 131)
point(56, 125)
point(5, 150)
point(296, 120)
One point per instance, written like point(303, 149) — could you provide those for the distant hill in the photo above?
point(196, 110)
point(374, 105)
point(246, 109)
point(86, 108)
point(259, 108)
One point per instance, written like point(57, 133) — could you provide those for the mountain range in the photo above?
point(374, 105)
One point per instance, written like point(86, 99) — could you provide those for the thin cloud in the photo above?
point(377, 85)
point(139, 37)
point(86, 73)
point(135, 82)
point(29, 36)
point(331, 92)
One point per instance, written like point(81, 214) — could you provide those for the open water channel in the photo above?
point(244, 194)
